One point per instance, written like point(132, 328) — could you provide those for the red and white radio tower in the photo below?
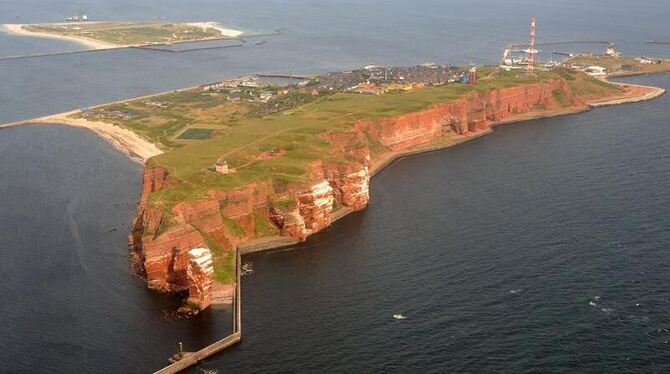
point(472, 75)
point(531, 50)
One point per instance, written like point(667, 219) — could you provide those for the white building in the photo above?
point(596, 71)
point(221, 166)
point(265, 96)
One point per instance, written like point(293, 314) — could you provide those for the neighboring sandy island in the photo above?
point(108, 35)
point(228, 33)
point(17, 29)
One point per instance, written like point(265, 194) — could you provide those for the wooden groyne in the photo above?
point(189, 359)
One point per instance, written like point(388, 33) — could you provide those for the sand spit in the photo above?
point(19, 30)
point(634, 93)
point(126, 141)
point(227, 33)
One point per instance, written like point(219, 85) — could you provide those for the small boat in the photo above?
point(246, 268)
point(399, 316)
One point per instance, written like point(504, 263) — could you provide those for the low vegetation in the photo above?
point(198, 127)
point(129, 33)
point(240, 135)
point(623, 65)
point(196, 134)
point(161, 118)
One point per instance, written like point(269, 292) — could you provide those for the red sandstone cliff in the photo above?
point(161, 243)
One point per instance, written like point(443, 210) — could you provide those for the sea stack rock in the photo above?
point(200, 277)
point(316, 205)
point(351, 186)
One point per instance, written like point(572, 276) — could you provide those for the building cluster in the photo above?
point(374, 79)
point(592, 70)
point(106, 114)
point(241, 82)
point(244, 88)
point(649, 60)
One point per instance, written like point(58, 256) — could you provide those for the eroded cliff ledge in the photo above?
point(166, 230)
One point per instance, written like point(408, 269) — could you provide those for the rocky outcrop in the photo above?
point(168, 246)
point(166, 257)
point(199, 278)
point(473, 113)
point(291, 222)
point(351, 185)
point(338, 185)
point(315, 204)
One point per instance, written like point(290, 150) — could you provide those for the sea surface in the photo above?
point(539, 248)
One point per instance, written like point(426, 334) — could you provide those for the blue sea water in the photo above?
point(539, 248)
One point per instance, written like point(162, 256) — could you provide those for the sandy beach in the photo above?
point(228, 33)
point(17, 29)
point(633, 93)
point(126, 141)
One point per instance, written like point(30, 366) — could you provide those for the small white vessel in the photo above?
point(246, 268)
point(399, 316)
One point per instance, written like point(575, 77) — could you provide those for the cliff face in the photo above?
point(471, 114)
point(199, 277)
point(162, 242)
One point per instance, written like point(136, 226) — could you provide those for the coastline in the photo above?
point(652, 94)
point(225, 32)
point(124, 140)
point(140, 150)
point(18, 30)
point(280, 242)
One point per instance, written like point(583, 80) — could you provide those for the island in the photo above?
point(244, 165)
point(265, 161)
point(104, 35)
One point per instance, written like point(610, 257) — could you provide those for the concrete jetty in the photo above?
point(188, 359)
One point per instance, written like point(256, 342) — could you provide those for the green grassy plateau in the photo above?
point(240, 136)
point(623, 65)
point(129, 33)
point(196, 127)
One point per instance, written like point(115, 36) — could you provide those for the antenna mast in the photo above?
point(531, 49)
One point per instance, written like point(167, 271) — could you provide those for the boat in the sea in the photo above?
point(246, 268)
point(399, 316)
